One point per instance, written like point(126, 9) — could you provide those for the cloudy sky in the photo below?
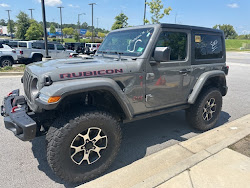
point(192, 12)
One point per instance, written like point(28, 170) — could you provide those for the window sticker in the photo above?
point(197, 38)
point(140, 49)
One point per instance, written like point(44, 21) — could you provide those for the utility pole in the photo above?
point(61, 21)
point(45, 29)
point(79, 20)
point(31, 16)
point(92, 4)
point(10, 24)
point(145, 4)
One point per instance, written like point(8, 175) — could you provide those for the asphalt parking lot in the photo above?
point(23, 164)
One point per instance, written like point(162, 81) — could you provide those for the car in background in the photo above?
point(77, 46)
point(8, 55)
point(37, 52)
point(91, 48)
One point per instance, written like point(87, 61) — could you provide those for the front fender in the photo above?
point(69, 87)
point(201, 82)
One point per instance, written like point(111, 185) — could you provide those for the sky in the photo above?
point(205, 13)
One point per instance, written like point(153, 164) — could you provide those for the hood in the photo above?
point(75, 68)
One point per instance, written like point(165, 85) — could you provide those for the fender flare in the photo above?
point(69, 87)
point(35, 53)
point(201, 82)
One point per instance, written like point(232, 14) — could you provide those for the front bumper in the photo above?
point(18, 121)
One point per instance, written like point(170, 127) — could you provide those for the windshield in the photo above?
point(128, 42)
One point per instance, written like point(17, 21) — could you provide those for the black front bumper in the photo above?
point(19, 122)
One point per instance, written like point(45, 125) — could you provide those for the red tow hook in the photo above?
point(14, 109)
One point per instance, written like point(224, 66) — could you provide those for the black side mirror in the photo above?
point(162, 54)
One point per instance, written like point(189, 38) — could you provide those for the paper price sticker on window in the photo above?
point(197, 38)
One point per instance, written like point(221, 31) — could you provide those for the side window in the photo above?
point(59, 47)
point(208, 46)
point(177, 42)
point(22, 44)
point(51, 46)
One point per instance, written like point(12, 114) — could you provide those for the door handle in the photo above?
point(184, 71)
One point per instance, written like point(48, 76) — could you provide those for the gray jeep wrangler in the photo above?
point(138, 72)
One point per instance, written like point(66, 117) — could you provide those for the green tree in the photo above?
point(101, 35)
point(88, 34)
point(68, 31)
point(35, 31)
point(3, 23)
point(12, 23)
point(77, 36)
point(155, 9)
point(22, 23)
point(120, 21)
point(52, 28)
point(229, 31)
point(85, 25)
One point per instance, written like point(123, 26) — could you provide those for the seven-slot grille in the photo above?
point(27, 79)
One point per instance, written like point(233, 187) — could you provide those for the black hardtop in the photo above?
point(174, 26)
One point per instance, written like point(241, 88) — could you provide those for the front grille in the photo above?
point(27, 78)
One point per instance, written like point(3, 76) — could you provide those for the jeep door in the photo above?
point(168, 83)
point(52, 50)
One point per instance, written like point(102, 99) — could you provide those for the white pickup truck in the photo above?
point(8, 55)
point(37, 52)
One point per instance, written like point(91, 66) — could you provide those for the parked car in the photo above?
point(137, 73)
point(91, 48)
point(8, 55)
point(77, 46)
point(37, 52)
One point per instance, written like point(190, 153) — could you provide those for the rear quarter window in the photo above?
point(208, 46)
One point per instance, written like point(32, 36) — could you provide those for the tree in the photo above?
point(77, 36)
point(35, 31)
point(3, 23)
point(101, 35)
point(228, 29)
point(121, 21)
point(155, 9)
point(85, 25)
point(22, 23)
point(52, 28)
point(12, 23)
point(68, 31)
point(88, 34)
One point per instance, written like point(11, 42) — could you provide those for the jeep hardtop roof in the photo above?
point(175, 26)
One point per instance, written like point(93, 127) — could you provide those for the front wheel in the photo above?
point(84, 147)
point(6, 61)
point(204, 114)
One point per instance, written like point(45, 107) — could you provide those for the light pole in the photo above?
point(145, 12)
point(92, 4)
point(61, 21)
point(79, 19)
point(45, 29)
point(31, 16)
point(10, 24)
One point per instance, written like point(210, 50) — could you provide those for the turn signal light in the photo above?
point(54, 99)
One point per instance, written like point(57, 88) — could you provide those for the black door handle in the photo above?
point(184, 71)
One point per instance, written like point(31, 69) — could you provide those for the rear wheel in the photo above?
point(204, 114)
point(84, 147)
point(6, 61)
point(37, 58)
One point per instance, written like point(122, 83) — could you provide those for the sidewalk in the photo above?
point(202, 161)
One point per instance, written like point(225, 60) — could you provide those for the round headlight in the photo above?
point(34, 87)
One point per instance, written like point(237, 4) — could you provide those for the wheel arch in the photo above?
point(209, 79)
point(7, 56)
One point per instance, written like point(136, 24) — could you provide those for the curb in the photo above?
point(160, 167)
point(11, 73)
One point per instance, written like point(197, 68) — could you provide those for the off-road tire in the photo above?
point(6, 61)
point(194, 114)
point(60, 141)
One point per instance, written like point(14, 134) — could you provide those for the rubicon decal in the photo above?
point(90, 73)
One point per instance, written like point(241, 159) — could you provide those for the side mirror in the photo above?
point(162, 54)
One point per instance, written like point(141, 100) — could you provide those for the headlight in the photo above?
point(34, 87)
